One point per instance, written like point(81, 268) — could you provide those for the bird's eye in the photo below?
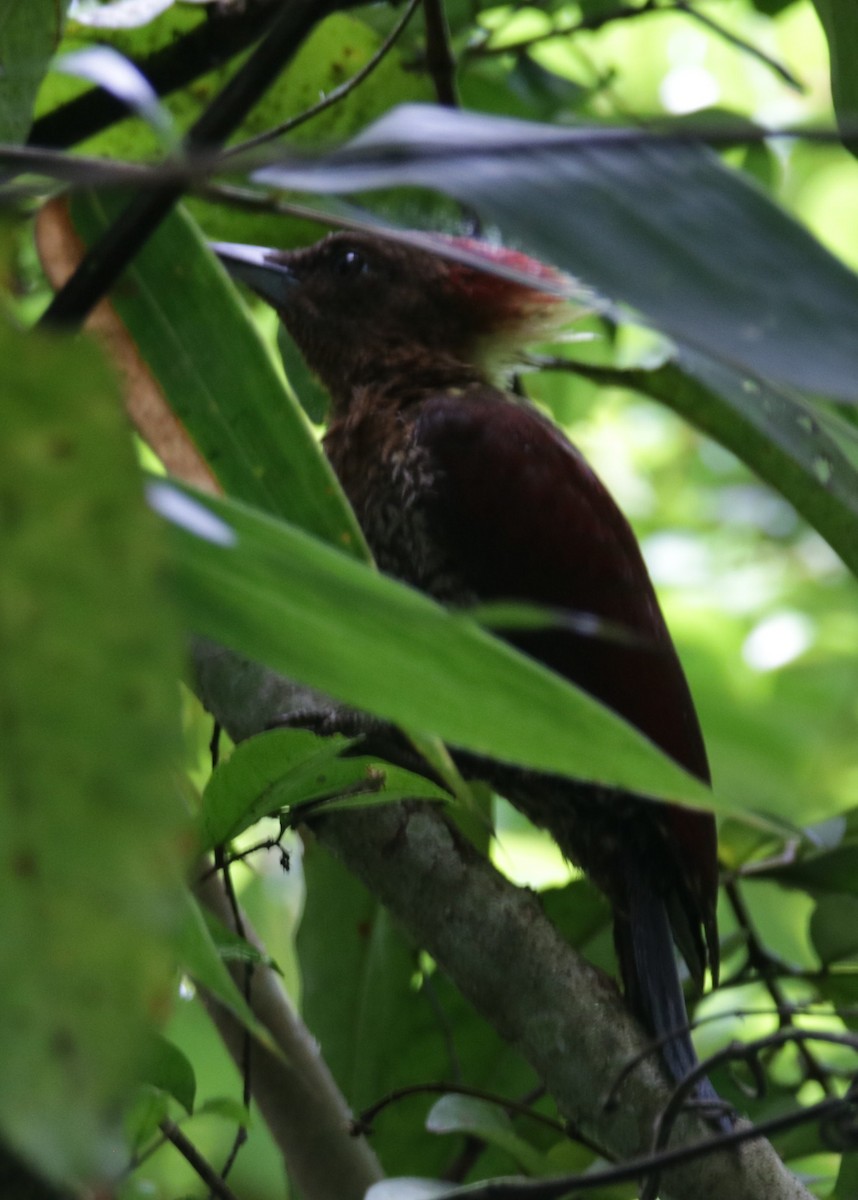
point(350, 264)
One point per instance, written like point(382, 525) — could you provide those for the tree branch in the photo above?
point(296, 1093)
point(214, 1182)
point(492, 939)
point(221, 35)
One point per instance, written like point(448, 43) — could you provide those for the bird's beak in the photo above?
point(257, 266)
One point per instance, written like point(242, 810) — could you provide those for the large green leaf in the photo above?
point(657, 223)
point(218, 376)
point(839, 19)
point(270, 591)
point(90, 822)
point(29, 33)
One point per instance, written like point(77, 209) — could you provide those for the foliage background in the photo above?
point(762, 610)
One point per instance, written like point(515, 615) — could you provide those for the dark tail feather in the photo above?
point(647, 961)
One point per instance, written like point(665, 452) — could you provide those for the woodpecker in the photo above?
point(466, 491)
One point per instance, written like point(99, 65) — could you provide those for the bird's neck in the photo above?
point(399, 379)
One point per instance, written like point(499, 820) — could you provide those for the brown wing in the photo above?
point(527, 519)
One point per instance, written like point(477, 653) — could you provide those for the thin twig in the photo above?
point(589, 24)
point(191, 1155)
point(761, 961)
point(597, 21)
point(683, 6)
point(786, 857)
point(750, 1053)
point(440, 60)
point(363, 1122)
point(256, 200)
point(558, 1188)
point(660, 1158)
point(807, 1008)
point(333, 97)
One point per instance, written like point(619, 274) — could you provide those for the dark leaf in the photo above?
point(657, 223)
point(779, 434)
point(839, 19)
point(834, 928)
point(832, 871)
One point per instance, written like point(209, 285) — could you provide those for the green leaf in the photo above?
point(124, 136)
point(258, 781)
point(832, 871)
point(776, 433)
point(834, 928)
point(336, 49)
point(202, 961)
point(362, 783)
point(197, 338)
point(658, 223)
point(846, 1187)
point(150, 1107)
point(278, 596)
point(227, 1109)
point(169, 1069)
point(357, 969)
point(29, 34)
point(91, 824)
point(381, 1026)
point(233, 948)
point(239, 791)
point(840, 987)
point(470, 1115)
point(311, 395)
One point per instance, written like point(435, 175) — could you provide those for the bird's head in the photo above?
point(357, 304)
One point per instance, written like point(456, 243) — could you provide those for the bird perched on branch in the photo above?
point(470, 494)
